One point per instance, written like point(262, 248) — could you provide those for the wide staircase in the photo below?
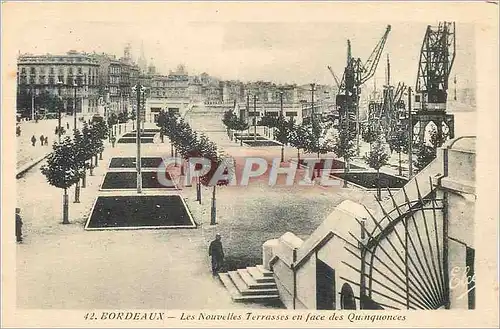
point(252, 284)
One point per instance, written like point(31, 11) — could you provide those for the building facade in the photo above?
point(61, 75)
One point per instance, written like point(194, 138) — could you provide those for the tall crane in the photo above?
point(437, 55)
point(337, 82)
point(356, 74)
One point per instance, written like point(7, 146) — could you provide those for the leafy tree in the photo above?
point(97, 132)
point(370, 134)
point(48, 101)
point(282, 133)
point(23, 102)
point(425, 155)
point(132, 115)
point(344, 147)
point(123, 116)
point(300, 138)
point(437, 138)
point(112, 120)
point(82, 153)
point(376, 158)
point(398, 142)
point(62, 170)
point(315, 136)
point(240, 126)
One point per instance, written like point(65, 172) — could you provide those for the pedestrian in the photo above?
point(46, 140)
point(67, 125)
point(216, 251)
point(113, 140)
point(19, 226)
point(42, 139)
point(33, 140)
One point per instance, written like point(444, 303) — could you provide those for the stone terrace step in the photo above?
point(252, 283)
point(264, 272)
point(258, 276)
point(246, 290)
point(237, 296)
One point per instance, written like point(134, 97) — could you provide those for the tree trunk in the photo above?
point(96, 161)
point(77, 192)
point(65, 207)
point(346, 166)
point(198, 196)
point(282, 153)
point(100, 156)
point(91, 168)
point(171, 149)
point(84, 177)
point(298, 156)
point(399, 168)
point(213, 212)
point(379, 195)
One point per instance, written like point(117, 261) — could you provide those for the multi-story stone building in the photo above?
point(233, 91)
point(62, 75)
point(168, 92)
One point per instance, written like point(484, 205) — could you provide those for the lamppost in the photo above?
point(59, 85)
point(75, 86)
point(410, 136)
point(255, 117)
point(32, 100)
point(139, 90)
point(281, 119)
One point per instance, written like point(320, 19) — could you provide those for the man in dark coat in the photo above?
point(33, 140)
point(19, 226)
point(215, 250)
point(42, 140)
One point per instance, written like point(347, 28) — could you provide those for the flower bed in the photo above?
point(128, 180)
point(133, 212)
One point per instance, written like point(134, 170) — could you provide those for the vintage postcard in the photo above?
point(250, 164)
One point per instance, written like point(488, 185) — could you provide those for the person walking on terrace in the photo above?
point(19, 226)
point(216, 251)
point(33, 140)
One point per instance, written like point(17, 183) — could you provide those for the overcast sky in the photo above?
point(291, 51)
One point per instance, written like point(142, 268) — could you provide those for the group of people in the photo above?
point(44, 140)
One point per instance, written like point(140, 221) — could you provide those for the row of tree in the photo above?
point(189, 144)
point(44, 100)
point(314, 137)
point(70, 159)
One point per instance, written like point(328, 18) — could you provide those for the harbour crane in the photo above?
point(431, 91)
point(337, 82)
point(356, 74)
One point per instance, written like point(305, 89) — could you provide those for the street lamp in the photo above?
point(140, 91)
point(282, 118)
point(32, 100)
point(255, 118)
point(59, 85)
point(75, 86)
point(410, 136)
